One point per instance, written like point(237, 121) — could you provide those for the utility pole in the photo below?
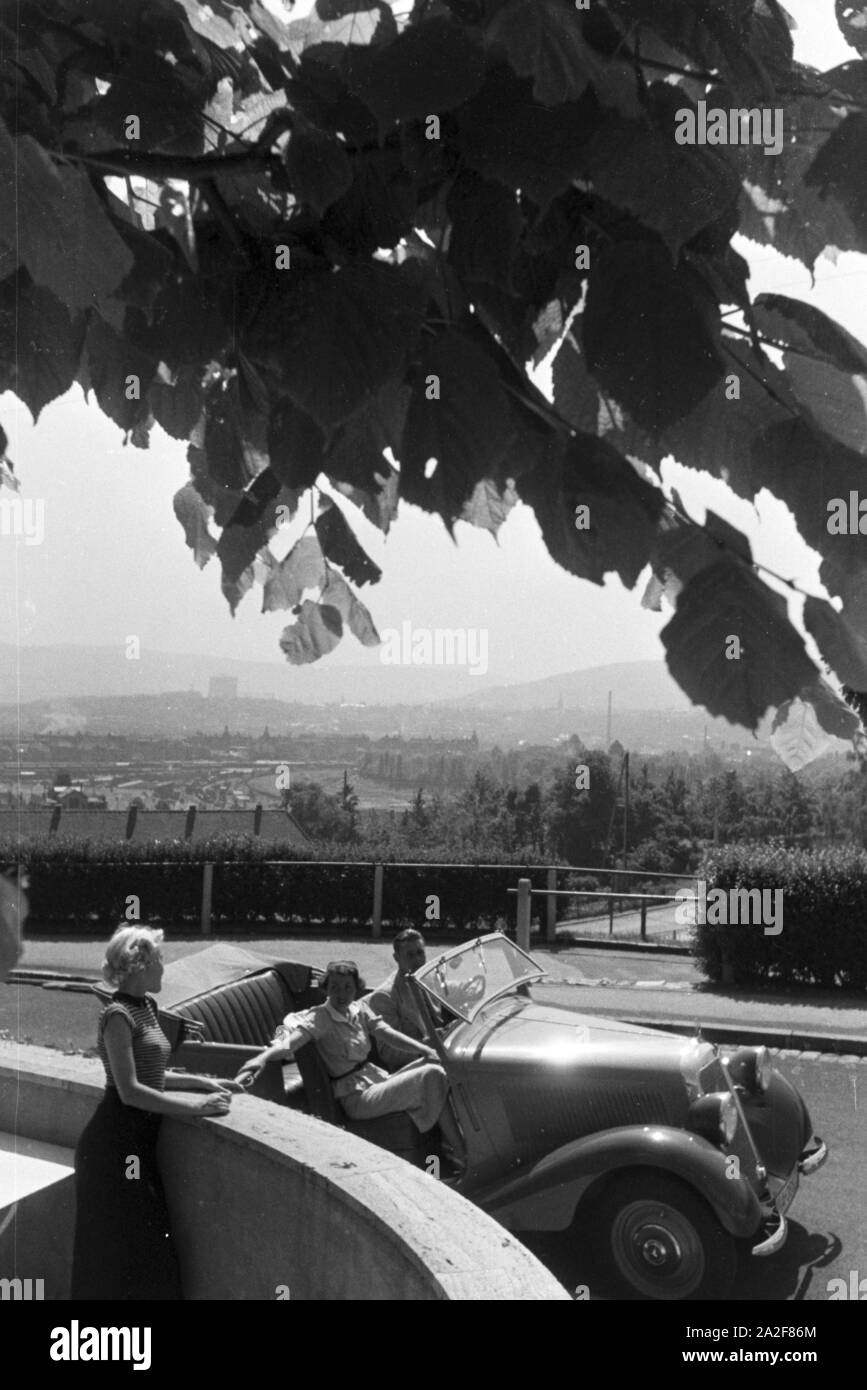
point(625, 805)
point(608, 725)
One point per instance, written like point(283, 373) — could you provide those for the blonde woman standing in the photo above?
point(123, 1245)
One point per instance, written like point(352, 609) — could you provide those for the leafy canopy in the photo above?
point(334, 247)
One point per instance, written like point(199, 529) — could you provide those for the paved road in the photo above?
point(828, 1219)
point(618, 984)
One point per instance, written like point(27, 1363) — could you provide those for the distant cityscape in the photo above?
point(223, 751)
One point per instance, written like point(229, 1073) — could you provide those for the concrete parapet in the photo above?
point(267, 1203)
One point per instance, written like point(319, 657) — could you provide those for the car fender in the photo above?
point(546, 1196)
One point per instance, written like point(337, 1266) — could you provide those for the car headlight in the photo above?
point(728, 1118)
point(715, 1117)
point(751, 1068)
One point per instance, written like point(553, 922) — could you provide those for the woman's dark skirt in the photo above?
point(123, 1244)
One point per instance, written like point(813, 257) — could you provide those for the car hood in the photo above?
point(520, 1032)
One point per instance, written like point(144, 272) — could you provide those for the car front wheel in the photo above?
point(657, 1239)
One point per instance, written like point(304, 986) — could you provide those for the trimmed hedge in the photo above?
point(80, 886)
point(823, 941)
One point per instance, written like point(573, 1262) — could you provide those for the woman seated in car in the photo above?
point(342, 1028)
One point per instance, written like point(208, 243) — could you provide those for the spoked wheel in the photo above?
point(657, 1239)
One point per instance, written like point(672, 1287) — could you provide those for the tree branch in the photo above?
point(190, 168)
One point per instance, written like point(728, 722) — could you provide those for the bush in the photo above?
point(824, 910)
point(85, 887)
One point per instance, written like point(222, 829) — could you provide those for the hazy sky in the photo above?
point(113, 562)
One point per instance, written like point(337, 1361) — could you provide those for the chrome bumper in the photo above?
point(773, 1242)
point(811, 1161)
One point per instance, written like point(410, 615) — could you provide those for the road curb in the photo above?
point(609, 944)
point(794, 1040)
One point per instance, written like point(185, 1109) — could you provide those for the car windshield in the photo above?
point(472, 975)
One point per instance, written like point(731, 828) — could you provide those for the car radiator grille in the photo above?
point(566, 1114)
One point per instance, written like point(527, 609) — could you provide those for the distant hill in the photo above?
point(634, 685)
point(69, 672)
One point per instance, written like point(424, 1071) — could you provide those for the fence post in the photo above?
point(644, 919)
point(207, 894)
point(610, 916)
point(522, 929)
point(551, 918)
point(377, 901)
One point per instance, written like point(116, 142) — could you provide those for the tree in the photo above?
point(297, 245)
point(323, 815)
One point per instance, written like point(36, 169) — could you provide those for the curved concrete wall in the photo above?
point(267, 1203)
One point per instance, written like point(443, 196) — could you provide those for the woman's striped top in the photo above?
point(150, 1046)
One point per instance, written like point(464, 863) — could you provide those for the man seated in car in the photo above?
point(394, 1000)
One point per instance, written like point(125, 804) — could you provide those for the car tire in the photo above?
point(655, 1238)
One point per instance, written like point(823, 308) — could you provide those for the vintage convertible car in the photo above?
point(666, 1154)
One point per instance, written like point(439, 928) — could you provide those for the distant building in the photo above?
point(223, 688)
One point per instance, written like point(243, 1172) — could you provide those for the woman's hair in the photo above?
point(344, 967)
point(130, 950)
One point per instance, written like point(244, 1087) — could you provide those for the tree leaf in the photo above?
point(316, 633)
point(683, 551)
point(458, 415)
point(317, 166)
point(802, 328)
point(426, 70)
point(838, 171)
point(718, 434)
point(40, 343)
point(489, 505)
point(117, 368)
point(507, 136)
point(166, 98)
point(57, 226)
point(379, 501)
point(852, 19)
point(379, 206)
point(843, 646)
point(825, 365)
point(779, 209)
point(296, 445)
point(339, 337)
point(543, 39)
point(486, 225)
point(623, 511)
point(337, 594)
point(808, 471)
point(339, 544)
point(726, 601)
point(576, 394)
point(177, 404)
point(194, 515)
point(677, 190)
point(214, 22)
point(303, 568)
point(671, 357)
point(797, 736)
point(253, 517)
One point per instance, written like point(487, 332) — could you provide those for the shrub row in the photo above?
point(824, 912)
point(87, 886)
